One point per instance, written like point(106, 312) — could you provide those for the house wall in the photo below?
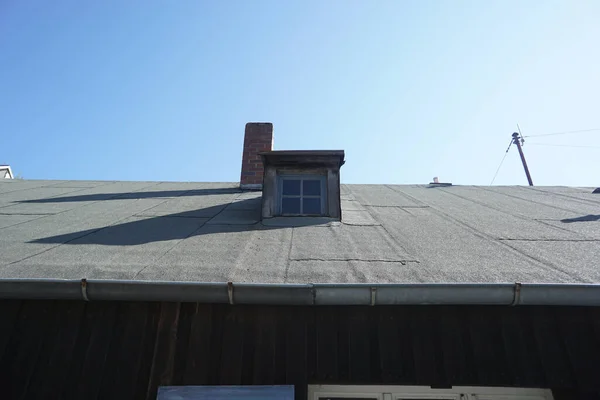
point(114, 350)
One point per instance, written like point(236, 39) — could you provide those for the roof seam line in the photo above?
point(403, 262)
point(492, 240)
point(289, 257)
point(175, 245)
point(521, 217)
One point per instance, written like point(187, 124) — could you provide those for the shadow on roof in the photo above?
point(135, 195)
point(585, 218)
point(240, 216)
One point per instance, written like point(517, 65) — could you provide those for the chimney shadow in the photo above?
point(135, 195)
point(584, 218)
point(239, 216)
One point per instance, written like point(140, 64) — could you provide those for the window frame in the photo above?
point(302, 177)
point(393, 392)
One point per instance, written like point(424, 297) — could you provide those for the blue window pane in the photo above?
point(311, 206)
point(290, 205)
point(311, 188)
point(225, 393)
point(291, 187)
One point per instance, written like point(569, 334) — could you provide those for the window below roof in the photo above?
point(301, 195)
point(283, 392)
point(354, 392)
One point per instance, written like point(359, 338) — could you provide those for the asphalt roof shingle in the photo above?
point(211, 232)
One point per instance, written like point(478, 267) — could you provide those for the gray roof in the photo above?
point(210, 232)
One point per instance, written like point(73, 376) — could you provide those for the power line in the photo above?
point(563, 133)
point(563, 145)
point(499, 166)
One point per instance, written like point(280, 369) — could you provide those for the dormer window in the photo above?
point(302, 183)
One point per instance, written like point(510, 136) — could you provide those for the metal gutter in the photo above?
point(509, 294)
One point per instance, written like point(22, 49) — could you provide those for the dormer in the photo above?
point(302, 183)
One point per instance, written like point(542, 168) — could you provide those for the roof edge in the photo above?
point(509, 294)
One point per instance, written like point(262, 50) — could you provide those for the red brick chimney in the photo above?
point(258, 138)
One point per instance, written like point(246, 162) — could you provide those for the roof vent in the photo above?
point(436, 182)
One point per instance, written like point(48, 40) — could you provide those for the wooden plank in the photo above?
point(296, 351)
point(216, 343)
point(51, 370)
point(279, 359)
point(454, 348)
point(197, 364)
point(85, 381)
point(9, 311)
point(359, 345)
point(232, 348)
point(427, 371)
point(373, 328)
point(501, 374)
point(389, 352)
point(249, 350)
point(594, 318)
point(522, 359)
point(24, 346)
point(183, 340)
point(264, 355)
point(123, 361)
point(344, 327)
point(488, 346)
point(327, 346)
point(164, 350)
point(403, 318)
point(577, 332)
point(311, 343)
point(147, 344)
point(551, 348)
point(91, 312)
point(437, 331)
point(108, 372)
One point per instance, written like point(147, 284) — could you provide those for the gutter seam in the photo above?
point(230, 292)
point(517, 296)
point(84, 290)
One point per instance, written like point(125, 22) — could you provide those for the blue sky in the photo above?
point(158, 90)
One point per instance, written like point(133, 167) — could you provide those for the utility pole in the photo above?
point(517, 140)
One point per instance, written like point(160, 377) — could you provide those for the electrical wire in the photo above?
point(563, 145)
point(501, 162)
point(563, 133)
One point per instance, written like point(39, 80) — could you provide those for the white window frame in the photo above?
point(315, 392)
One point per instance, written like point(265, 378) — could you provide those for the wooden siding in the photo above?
point(126, 350)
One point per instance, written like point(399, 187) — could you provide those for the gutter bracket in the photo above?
point(230, 292)
point(517, 297)
point(373, 295)
point(84, 285)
